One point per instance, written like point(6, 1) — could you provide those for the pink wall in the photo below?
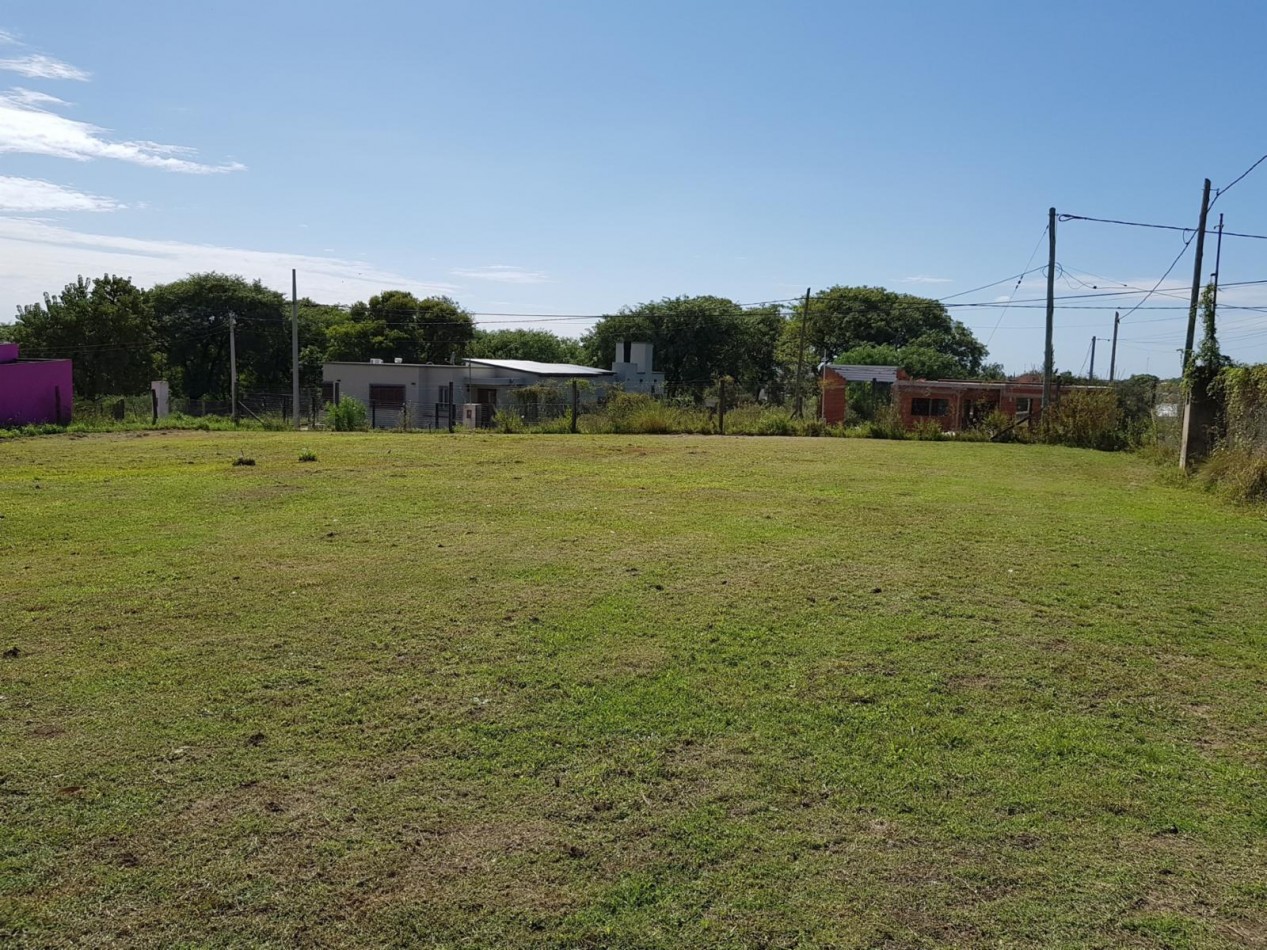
point(34, 391)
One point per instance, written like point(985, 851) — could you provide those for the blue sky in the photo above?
point(568, 158)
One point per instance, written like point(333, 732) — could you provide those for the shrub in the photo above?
point(509, 421)
point(307, 455)
point(929, 430)
point(347, 415)
point(1085, 419)
point(243, 460)
point(1237, 473)
point(887, 424)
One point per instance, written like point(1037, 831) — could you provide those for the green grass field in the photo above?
point(584, 691)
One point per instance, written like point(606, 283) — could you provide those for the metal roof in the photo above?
point(855, 373)
point(543, 369)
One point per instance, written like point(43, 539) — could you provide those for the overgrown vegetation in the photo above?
point(347, 415)
point(1237, 468)
point(624, 691)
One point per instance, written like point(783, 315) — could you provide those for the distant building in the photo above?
point(633, 368)
point(953, 404)
point(34, 392)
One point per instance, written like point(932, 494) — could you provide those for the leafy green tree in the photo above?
point(919, 362)
point(105, 325)
point(192, 317)
point(696, 340)
point(397, 325)
point(844, 318)
point(540, 345)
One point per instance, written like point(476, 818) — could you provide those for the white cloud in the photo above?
point(30, 97)
point(33, 131)
point(503, 274)
point(921, 279)
point(29, 195)
point(7, 38)
point(36, 256)
point(38, 66)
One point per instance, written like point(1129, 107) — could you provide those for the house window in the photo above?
point(328, 394)
point(1022, 404)
point(930, 407)
point(387, 397)
point(444, 396)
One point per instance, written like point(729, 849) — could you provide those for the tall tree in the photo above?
point(842, 318)
point(192, 315)
point(396, 324)
point(105, 325)
point(540, 345)
point(696, 340)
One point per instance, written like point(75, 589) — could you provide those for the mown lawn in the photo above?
point(631, 692)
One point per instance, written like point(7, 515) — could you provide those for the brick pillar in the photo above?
point(835, 398)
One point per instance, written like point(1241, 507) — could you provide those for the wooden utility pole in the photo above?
point(1117, 319)
point(294, 345)
point(800, 359)
point(1048, 355)
point(233, 367)
point(1196, 277)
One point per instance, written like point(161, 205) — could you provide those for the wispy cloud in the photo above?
point(33, 131)
point(31, 195)
point(30, 97)
point(36, 256)
point(39, 66)
point(921, 279)
point(7, 38)
point(503, 274)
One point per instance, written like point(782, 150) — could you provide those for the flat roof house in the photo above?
point(953, 404)
point(421, 394)
point(34, 392)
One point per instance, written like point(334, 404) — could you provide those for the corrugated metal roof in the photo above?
point(543, 369)
point(855, 373)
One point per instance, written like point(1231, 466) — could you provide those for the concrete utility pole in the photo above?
point(800, 359)
point(1117, 319)
point(1196, 277)
point(294, 346)
point(233, 367)
point(1091, 372)
point(1048, 356)
point(1218, 261)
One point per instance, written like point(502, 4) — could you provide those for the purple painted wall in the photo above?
point(34, 391)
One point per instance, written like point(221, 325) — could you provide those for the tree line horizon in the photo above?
point(121, 336)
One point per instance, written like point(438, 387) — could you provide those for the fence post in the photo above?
point(575, 398)
point(57, 403)
point(451, 412)
point(721, 406)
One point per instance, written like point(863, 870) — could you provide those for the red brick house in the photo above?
point(954, 404)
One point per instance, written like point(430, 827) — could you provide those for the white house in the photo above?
point(422, 395)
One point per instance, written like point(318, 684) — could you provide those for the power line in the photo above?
point(1017, 287)
point(996, 283)
point(1158, 227)
point(1237, 180)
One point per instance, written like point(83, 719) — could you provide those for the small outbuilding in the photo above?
point(34, 392)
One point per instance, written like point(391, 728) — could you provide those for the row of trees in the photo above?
point(121, 336)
